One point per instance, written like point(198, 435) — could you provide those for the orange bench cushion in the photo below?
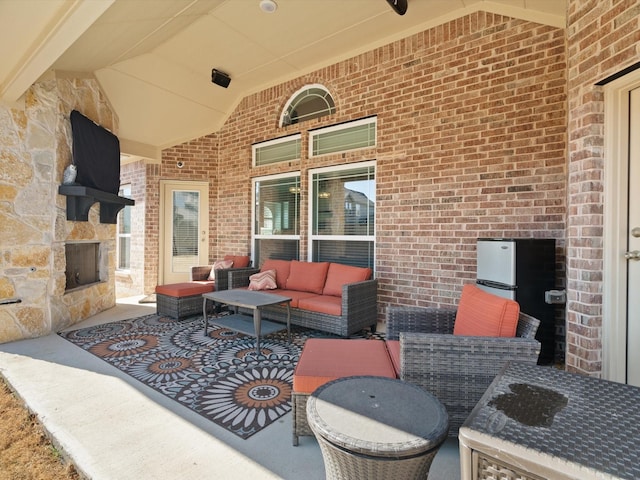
point(239, 261)
point(184, 289)
point(282, 270)
point(482, 314)
point(322, 304)
point(325, 359)
point(307, 276)
point(339, 275)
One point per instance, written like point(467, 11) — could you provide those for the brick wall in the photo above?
point(602, 39)
point(471, 143)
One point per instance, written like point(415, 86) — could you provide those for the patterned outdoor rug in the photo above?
point(220, 375)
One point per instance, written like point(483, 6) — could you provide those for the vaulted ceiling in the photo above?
point(153, 59)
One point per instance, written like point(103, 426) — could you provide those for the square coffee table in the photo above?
point(253, 300)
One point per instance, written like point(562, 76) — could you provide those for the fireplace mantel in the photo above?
point(80, 199)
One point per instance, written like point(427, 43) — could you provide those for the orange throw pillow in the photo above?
point(482, 314)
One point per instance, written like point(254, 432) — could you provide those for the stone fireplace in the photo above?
point(37, 145)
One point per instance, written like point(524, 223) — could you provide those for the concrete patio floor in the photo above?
point(115, 428)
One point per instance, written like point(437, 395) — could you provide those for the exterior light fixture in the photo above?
point(268, 6)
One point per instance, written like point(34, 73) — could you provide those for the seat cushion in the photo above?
point(326, 359)
point(322, 304)
point(339, 275)
point(482, 314)
point(184, 289)
point(307, 276)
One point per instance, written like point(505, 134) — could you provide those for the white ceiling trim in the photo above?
point(73, 22)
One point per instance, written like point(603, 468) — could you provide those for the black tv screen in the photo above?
point(96, 154)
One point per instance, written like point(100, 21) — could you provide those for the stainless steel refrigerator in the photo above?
point(522, 269)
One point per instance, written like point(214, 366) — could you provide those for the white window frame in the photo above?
point(337, 128)
point(310, 218)
point(124, 191)
point(268, 143)
point(257, 236)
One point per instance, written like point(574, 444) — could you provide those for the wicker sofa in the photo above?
point(349, 308)
point(456, 369)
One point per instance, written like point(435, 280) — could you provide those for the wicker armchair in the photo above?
point(456, 369)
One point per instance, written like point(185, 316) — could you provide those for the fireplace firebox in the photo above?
point(83, 264)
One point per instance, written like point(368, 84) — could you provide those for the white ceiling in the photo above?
point(153, 58)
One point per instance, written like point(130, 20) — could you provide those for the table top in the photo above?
point(378, 416)
point(565, 418)
point(246, 298)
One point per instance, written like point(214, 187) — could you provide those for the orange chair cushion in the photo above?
point(282, 270)
point(322, 304)
point(339, 275)
point(482, 314)
point(184, 289)
point(239, 261)
point(307, 276)
point(393, 346)
point(326, 359)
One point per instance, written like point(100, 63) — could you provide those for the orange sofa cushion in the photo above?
point(184, 289)
point(307, 276)
point(239, 261)
point(326, 359)
point(339, 275)
point(322, 304)
point(482, 314)
point(282, 270)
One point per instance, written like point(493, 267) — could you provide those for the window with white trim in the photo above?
point(342, 214)
point(311, 101)
point(343, 137)
point(277, 150)
point(276, 218)
point(123, 240)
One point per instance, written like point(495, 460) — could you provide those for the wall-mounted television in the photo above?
point(96, 154)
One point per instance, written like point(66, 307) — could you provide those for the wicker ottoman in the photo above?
point(376, 428)
point(325, 359)
point(181, 300)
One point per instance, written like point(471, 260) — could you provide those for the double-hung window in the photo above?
point(342, 214)
point(123, 244)
point(276, 218)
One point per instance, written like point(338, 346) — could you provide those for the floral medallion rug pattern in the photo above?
point(220, 375)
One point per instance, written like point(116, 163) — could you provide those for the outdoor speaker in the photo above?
point(220, 78)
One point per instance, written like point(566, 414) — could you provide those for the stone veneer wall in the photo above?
point(35, 148)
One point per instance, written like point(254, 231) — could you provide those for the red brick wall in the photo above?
point(471, 143)
point(602, 39)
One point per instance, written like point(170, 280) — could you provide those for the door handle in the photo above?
point(633, 255)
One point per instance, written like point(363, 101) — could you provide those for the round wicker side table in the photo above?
point(376, 428)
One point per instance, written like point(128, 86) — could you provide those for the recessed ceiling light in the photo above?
point(268, 6)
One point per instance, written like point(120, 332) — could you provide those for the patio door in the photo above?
point(633, 241)
point(621, 285)
point(184, 229)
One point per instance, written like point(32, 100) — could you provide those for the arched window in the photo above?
point(311, 101)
